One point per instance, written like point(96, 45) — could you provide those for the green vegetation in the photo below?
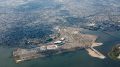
point(49, 40)
point(58, 34)
point(114, 53)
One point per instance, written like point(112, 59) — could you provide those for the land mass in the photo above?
point(66, 39)
point(115, 52)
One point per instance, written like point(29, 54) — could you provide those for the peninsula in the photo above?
point(66, 39)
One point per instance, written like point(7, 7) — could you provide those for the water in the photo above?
point(28, 27)
point(75, 59)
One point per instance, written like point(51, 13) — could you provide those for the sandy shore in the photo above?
point(94, 53)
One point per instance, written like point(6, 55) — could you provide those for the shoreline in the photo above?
point(69, 40)
point(94, 53)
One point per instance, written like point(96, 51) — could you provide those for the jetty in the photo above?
point(93, 52)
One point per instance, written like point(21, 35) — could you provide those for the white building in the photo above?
point(52, 47)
